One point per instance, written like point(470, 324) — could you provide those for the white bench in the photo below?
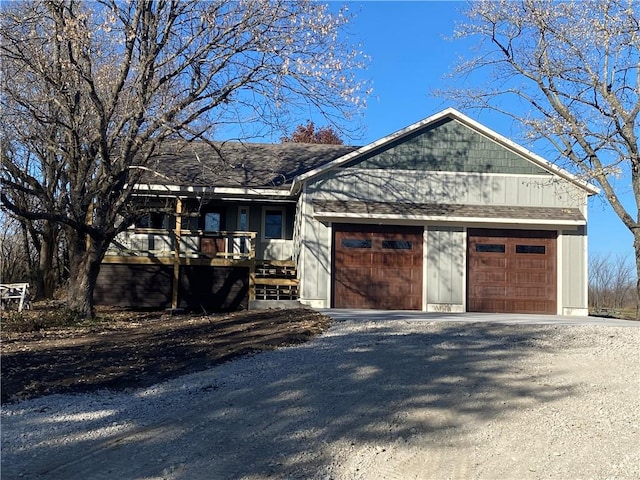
point(11, 293)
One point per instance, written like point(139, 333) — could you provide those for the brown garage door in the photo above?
point(377, 267)
point(512, 271)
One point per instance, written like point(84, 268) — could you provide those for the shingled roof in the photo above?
point(237, 164)
point(551, 214)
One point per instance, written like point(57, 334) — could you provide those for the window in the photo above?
point(536, 249)
point(158, 221)
point(355, 243)
point(212, 222)
point(273, 224)
point(243, 219)
point(490, 248)
point(242, 244)
point(397, 244)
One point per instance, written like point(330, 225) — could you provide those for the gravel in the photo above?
point(366, 400)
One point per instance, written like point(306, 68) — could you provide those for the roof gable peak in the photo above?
point(452, 114)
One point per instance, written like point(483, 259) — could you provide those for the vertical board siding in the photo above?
point(317, 257)
point(445, 265)
point(574, 275)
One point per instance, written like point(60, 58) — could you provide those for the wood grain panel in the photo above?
point(520, 279)
point(377, 267)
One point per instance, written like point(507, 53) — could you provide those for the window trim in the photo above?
point(263, 235)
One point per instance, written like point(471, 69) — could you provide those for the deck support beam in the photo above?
point(176, 254)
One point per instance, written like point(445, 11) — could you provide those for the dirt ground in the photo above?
point(369, 399)
point(138, 349)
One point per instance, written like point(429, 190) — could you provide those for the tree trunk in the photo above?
point(85, 257)
point(30, 264)
point(636, 246)
point(46, 282)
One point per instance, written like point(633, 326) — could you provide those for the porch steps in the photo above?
point(275, 280)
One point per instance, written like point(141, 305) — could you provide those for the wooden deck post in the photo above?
point(176, 254)
point(252, 268)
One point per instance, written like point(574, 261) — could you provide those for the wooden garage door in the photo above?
point(377, 267)
point(512, 271)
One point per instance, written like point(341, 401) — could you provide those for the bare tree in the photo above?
point(94, 89)
point(611, 282)
point(15, 265)
point(575, 66)
point(309, 134)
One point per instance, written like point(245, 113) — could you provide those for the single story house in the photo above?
point(444, 215)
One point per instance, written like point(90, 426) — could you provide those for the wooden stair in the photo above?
point(275, 280)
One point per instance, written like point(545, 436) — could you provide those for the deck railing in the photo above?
point(194, 244)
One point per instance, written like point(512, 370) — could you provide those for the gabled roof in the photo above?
point(236, 164)
point(452, 114)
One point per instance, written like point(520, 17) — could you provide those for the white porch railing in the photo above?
point(161, 243)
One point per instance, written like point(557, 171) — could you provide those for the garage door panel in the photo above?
point(490, 291)
point(511, 271)
point(529, 292)
point(530, 278)
point(384, 262)
point(349, 259)
point(491, 262)
point(529, 263)
point(395, 260)
point(491, 276)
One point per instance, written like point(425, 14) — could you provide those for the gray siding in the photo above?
point(574, 274)
point(446, 163)
point(446, 188)
point(315, 255)
point(449, 146)
point(445, 265)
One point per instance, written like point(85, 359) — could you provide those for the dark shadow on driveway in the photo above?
point(278, 414)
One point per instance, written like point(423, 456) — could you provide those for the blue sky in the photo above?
point(411, 55)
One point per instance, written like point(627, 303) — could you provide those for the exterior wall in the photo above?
point(445, 269)
point(314, 262)
point(449, 164)
point(449, 146)
point(573, 272)
point(157, 240)
point(418, 186)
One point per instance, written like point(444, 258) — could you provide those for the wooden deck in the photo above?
point(268, 280)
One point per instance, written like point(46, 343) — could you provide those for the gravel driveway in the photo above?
point(376, 397)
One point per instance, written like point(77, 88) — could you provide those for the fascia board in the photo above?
point(180, 189)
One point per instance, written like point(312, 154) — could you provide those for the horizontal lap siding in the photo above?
point(417, 186)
